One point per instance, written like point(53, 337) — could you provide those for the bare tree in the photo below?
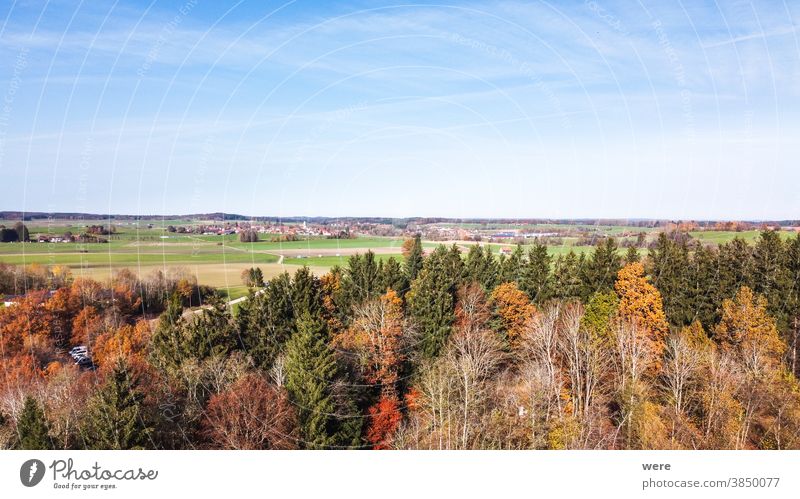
point(540, 339)
point(474, 356)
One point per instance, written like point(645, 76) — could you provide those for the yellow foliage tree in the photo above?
point(513, 309)
point(747, 329)
point(640, 304)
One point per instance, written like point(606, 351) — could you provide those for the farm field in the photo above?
point(215, 260)
point(218, 260)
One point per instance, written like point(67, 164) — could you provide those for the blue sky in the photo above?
point(460, 109)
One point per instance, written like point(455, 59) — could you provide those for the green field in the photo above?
point(219, 260)
point(330, 261)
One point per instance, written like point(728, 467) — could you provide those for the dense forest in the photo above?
point(687, 347)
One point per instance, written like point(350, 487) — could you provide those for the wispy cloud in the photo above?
point(532, 91)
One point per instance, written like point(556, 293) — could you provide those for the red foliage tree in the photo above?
point(251, 414)
point(384, 418)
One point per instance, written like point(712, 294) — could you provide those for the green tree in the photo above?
point(536, 278)
point(266, 321)
point(771, 275)
point(210, 333)
point(257, 277)
point(432, 299)
point(310, 373)
point(567, 276)
point(306, 293)
point(793, 301)
point(33, 432)
point(601, 270)
point(391, 276)
point(704, 288)
point(735, 268)
point(632, 256)
point(168, 347)
point(361, 281)
point(511, 268)
point(115, 416)
point(414, 260)
point(599, 314)
point(670, 271)
point(481, 267)
point(22, 232)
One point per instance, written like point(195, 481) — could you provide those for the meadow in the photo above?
point(218, 260)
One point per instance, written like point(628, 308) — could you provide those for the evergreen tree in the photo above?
point(704, 289)
point(391, 276)
point(670, 270)
point(361, 280)
point(601, 270)
point(266, 321)
point(536, 279)
point(481, 267)
point(258, 277)
point(32, 427)
point(306, 297)
point(567, 276)
point(793, 301)
point(414, 259)
point(735, 267)
point(115, 416)
point(210, 333)
point(770, 277)
point(632, 256)
point(310, 372)
point(511, 267)
point(432, 300)
point(168, 345)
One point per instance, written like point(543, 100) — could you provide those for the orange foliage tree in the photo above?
point(513, 310)
point(125, 342)
point(640, 305)
point(375, 337)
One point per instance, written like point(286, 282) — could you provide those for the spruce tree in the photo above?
point(310, 373)
point(392, 276)
point(115, 417)
point(704, 288)
point(415, 259)
point(432, 300)
point(266, 321)
point(670, 271)
point(511, 267)
point(601, 270)
point(361, 281)
point(770, 277)
point(481, 267)
point(632, 256)
point(168, 346)
point(536, 277)
point(32, 428)
point(735, 268)
point(793, 301)
point(567, 276)
point(306, 297)
point(211, 333)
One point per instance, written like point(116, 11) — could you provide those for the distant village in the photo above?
point(490, 231)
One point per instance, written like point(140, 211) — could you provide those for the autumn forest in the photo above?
point(682, 346)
